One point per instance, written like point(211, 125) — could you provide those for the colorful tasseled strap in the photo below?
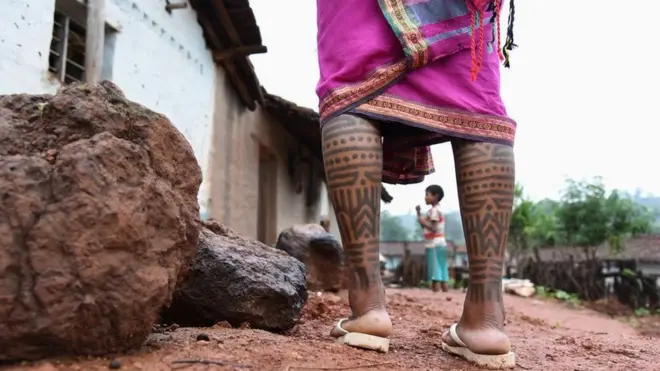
point(509, 44)
point(478, 9)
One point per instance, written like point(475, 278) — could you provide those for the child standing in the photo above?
point(434, 233)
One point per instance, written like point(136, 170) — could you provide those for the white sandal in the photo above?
point(489, 361)
point(358, 340)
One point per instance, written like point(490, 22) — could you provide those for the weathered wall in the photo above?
point(160, 60)
point(235, 166)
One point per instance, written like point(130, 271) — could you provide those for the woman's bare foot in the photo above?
point(369, 315)
point(374, 322)
point(486, 341)
point(481, 330)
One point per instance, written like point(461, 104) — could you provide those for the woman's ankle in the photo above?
point(483, 315)
point(374, 322)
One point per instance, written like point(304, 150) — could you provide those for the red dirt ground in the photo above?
point(546, 336)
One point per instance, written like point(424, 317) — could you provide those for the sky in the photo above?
point(582, 88)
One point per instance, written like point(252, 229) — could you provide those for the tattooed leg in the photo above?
point(485, 175)
point(352, 153)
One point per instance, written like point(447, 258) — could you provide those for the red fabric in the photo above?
point(478, 5)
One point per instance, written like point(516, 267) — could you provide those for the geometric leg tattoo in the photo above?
point(352, 152)
point(485, 175)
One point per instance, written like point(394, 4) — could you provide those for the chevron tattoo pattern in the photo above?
point(486, 181)
point(352, 153)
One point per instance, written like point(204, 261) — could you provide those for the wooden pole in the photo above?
point(94, 40)
point(406, 264)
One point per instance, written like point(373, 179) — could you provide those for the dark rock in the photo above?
point(319, 250)
point(203, 337)
point(239, 280)
point(114, 365)
point(98, 218)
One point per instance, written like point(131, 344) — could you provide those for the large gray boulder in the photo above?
point(319, 250)
point(98, 218)
point(239, 280)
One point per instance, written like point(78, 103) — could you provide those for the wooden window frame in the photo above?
point(59, 62)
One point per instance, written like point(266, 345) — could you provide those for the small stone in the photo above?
point(245, 326)
point(321, 253)
point(222, 324)
point(332, 298)
point(203, 337)
point(114, 365)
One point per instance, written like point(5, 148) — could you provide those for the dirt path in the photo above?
point(546, 336)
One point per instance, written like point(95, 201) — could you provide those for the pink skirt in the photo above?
point(408, 64)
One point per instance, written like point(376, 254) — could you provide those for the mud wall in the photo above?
point(239, 136)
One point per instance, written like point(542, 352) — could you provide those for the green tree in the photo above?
point(454, 227)
point(533, 225)
point(520, 225)
point(588, 217)
point(391, 228)
point(418, 235)
point(543, 229)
